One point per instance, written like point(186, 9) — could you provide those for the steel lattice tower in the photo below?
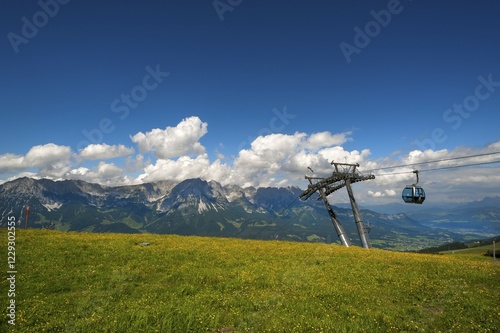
point(344, 175)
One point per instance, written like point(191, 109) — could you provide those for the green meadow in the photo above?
point(88, 282)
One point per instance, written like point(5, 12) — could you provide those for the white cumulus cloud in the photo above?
point(173, 141)
point(186, 167)
point(50, 159)
point(326, 139)
point(11, 162)
point(43, 156)
point(104, 151)
point(278, 159)
point(104, 173)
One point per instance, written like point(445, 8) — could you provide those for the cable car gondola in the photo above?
point(414, 193)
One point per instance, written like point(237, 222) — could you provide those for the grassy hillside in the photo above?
point(88, 282)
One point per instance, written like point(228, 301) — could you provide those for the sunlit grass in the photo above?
point(87, 282)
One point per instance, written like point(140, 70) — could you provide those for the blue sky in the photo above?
point(374, 80)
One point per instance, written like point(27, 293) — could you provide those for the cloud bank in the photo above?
point(176, 153)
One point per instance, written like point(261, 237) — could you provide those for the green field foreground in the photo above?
point(87, 282)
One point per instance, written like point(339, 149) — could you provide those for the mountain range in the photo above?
point(206, 208)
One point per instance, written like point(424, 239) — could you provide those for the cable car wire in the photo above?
point(435, 161)
point(460, 166)
point(441, 168)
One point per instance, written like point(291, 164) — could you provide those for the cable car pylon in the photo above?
point(344, 175)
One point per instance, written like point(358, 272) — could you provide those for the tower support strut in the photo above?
point(336, 224)
point(363, 235)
